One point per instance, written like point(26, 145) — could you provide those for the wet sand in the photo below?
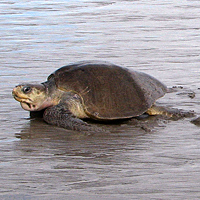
point(39, 161)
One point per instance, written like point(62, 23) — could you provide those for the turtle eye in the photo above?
point(26, 89)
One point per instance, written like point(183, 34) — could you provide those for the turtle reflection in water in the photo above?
point(97, 90)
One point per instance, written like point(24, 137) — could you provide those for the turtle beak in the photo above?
point(19, 94)
point(14, 92)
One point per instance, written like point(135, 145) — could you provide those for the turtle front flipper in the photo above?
point(61, 116)
point(172, 113)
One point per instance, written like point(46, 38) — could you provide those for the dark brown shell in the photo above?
point(109, 91)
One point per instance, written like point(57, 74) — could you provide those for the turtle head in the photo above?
point(33, 97)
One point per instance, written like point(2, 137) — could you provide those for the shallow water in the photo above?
point(39, 161)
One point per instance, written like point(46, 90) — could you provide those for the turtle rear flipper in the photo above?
point(172, 113)
point(61, 116)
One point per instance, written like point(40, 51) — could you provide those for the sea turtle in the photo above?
point(90, 89)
